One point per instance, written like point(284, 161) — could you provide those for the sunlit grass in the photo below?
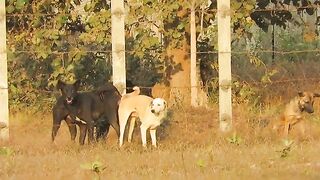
point(190, 147)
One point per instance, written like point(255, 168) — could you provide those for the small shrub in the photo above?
point(234, 139)
point(284, 152)
point(96, 167)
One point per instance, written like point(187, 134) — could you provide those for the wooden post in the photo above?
point(224, 58)
point(118, 45)
point(4, 107)
point(193, 72)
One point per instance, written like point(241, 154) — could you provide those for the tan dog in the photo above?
point(151, 113)
point(293, 112)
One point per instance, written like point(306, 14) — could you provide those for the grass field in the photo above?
point(190, 147)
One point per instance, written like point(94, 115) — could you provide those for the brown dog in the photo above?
point(293, 112)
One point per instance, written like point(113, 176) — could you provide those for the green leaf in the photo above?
point(95, 166)
point(70, 67)
point(234, 139)
point(6, 151)
point(181, 26)
point(175, 5)
point(201, 163)
point(87, 7)
point(43, 54)
point(10, 9)
point(239, 15)
point(236, 5)
point(86, 166)
point(100, 37)
point(287, 142)
point(56, 63)
point(102, 19)
point(249, 7)
point(176, 35)
point(54, 35)
point(20, 4)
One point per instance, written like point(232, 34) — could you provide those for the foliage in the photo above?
point(6, 151)
point(287, 145)
point(201, 164)
point(51, 40)
point(96, 167)
point(234, 139)
point(279, 14)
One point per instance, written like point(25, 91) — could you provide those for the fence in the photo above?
point(81, 53)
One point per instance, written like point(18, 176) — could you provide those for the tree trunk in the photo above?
point(184, 86)
point(180, 81)
point(177, 91)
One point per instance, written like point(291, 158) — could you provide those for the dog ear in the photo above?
point(300, 93)
point(316, 95)
point(77, 84)
point(60, 84)
point(165, 104)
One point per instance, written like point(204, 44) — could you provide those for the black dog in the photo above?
point(86, 109)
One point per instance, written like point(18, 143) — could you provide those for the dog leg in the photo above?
point(131, 128)
point(113, 120)
point(58, 116)
point(143, 135)
point(102, 130)
point(123, 118)
point(122, 128)
point(90, 128)
point(286, 129)
point(153, 137)
point(83, 133)
point(55, 129)
point(72, 127)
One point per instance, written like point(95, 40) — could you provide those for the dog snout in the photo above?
point(69, 100)
point(308, 108)
point(311, 110)
point(153, 111)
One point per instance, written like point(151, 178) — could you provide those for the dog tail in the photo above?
point(136, 91)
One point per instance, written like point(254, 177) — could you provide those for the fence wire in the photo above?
point(198, 52)
point(289, 8)
point(286, 8)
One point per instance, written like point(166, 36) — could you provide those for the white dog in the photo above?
point(151, 113)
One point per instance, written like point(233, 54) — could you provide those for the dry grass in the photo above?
point(190, 147)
